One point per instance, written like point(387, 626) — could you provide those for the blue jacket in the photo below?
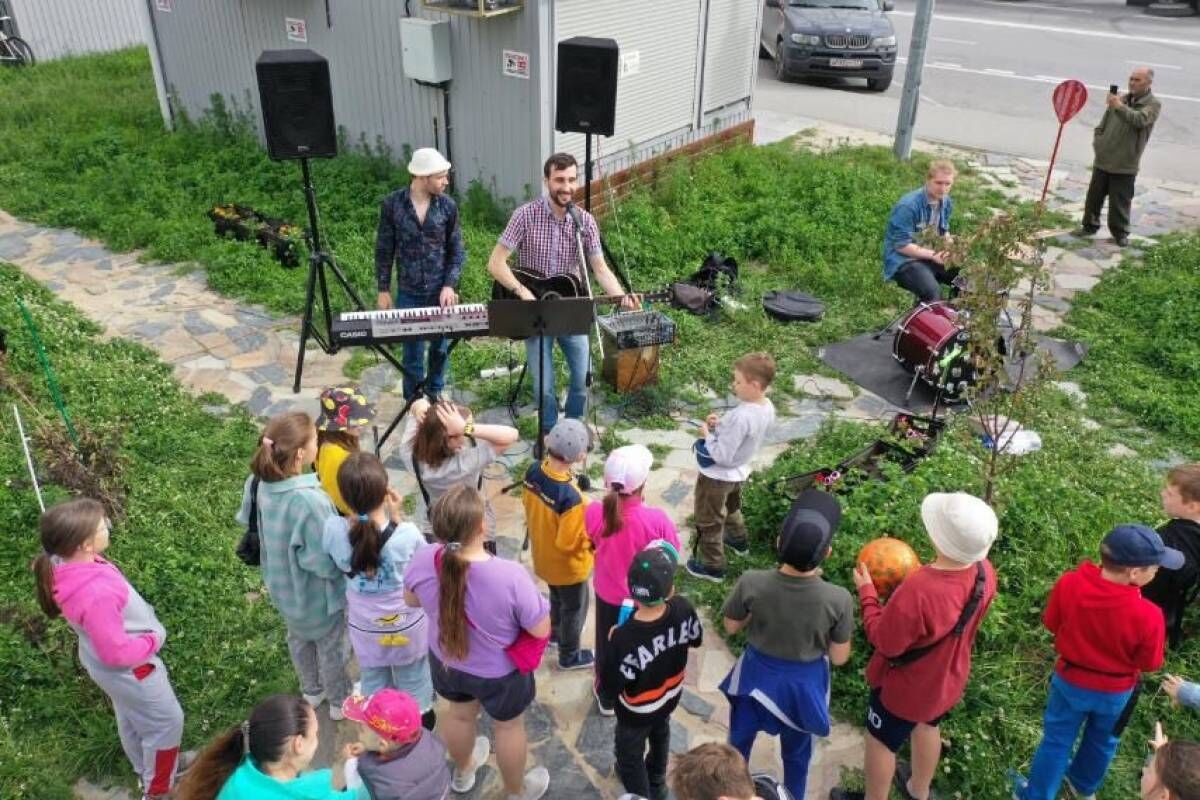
point(909, 217)
point(427, 255)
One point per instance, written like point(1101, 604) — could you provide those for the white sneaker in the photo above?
point(537, 781)
point(463, 781)
point(315, 700)
point(335, 713)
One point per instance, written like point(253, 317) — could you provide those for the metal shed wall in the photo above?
point(57, 28)
point(730, 51)
point(210, 46)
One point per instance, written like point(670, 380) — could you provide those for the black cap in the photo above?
point(808, 529)
point(652, 574)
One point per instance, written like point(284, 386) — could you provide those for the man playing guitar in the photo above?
point(543, 235)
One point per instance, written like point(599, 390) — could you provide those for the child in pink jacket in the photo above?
point(119, 637)
point(620, 528)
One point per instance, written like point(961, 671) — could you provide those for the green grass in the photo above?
point(185, 476)
point(1053, 513)
point(82, 146)
point(1143, 366)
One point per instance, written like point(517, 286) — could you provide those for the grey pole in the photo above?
point(906, 122)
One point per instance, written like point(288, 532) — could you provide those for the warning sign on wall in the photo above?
point(516, 65)
point(297, 30)
point(163, 5)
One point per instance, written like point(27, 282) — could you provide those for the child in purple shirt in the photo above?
point(489, 602)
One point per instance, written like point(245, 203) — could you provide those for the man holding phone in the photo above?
point(1118, 143)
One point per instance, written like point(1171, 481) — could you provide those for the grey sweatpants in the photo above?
point(321, 663)
point(149, 721)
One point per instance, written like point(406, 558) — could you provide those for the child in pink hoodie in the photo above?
point(119, 637)
point(620, 528)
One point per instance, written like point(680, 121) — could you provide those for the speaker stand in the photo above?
point(319, 261)
point(587, 172)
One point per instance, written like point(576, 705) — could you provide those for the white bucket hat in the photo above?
point(628, 467)
point(427, 161)
point(961, 525)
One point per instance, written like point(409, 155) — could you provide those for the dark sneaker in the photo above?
point(584, 482)
point(603, 706)
point(838, 793)
point(699, 570)
point(1074, 793)
point(739, 546)
point(902, 776)
point(1121, 241)
point(583, 659)
point(1084, 233)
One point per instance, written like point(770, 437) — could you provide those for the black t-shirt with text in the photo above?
point(645, 662)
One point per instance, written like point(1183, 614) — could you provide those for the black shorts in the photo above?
point(502, 698)
point(886, 727)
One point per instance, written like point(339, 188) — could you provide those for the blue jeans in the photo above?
point(924, 278)
point(747, 717)
point(413, 678)
point(1068, 709)
point(575, 349)
point(414, 352)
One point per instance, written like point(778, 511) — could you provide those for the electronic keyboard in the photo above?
point(385, 326)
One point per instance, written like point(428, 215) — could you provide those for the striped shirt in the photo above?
point(304, 584)
point(545, 244)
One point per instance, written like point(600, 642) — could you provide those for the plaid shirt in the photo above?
point(429, 255)
point(545, 244)
point(302, 580)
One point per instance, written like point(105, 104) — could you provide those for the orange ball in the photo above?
point(889, 561)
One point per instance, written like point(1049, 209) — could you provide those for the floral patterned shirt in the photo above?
point(429, 255)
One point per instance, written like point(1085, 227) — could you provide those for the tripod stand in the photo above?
point(318, 261)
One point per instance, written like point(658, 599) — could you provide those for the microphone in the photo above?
point(573, 210)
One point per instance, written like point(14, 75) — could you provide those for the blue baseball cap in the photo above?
point(1139, 546)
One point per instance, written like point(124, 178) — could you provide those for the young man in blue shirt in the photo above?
point(919, 269)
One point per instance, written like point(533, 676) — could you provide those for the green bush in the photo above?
point(1055, 507)
point(225, 650)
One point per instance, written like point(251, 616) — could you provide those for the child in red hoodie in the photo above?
point(1106, 634)
point(119, 637)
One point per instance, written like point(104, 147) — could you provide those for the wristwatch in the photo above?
point(469, 428)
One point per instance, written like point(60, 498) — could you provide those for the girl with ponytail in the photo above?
point(620, 528)
point(372, 545)
point(119, 637)
point(302, 581)
point(264, 757)
point(478, 605)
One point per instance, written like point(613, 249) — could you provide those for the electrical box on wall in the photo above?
point(425, 49)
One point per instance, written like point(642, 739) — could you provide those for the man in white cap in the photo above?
point(419, 232)
point(923, 639)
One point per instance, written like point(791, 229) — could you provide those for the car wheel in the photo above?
point(780, 67)
point(880, 84)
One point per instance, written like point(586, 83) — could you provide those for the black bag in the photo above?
point(792, 306)
point(698, 294)
point(909, 656)
point(248, 547)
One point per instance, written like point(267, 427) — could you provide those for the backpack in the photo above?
point(248, 549)
point(791, 306)
point(698, 294)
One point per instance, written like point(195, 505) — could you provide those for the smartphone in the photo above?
point(1112, 88)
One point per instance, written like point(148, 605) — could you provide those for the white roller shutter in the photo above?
point(731, 51)
point(663, 37)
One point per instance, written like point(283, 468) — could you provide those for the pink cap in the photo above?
point(392, 714)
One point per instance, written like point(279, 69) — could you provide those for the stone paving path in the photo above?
point(247, 355)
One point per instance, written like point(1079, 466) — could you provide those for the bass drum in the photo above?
point(931, 342)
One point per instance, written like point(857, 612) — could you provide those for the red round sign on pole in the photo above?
point(1069, 98)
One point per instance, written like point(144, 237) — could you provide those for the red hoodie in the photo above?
point(1105, 633)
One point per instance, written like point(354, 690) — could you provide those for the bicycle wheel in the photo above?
point(21, 51)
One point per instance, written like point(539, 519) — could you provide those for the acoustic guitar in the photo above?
point(564, 286)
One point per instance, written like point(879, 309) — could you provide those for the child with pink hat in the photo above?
point(395, 757)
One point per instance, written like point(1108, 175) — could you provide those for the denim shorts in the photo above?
point(502, 698)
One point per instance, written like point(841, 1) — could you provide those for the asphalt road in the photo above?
point(991, 66)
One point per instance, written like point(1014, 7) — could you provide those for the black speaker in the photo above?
point(587, 86)
point(297, 104)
